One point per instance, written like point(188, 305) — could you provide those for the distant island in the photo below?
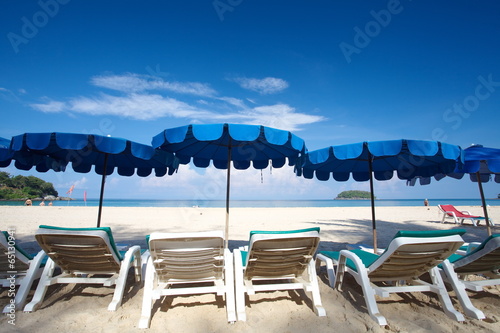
point(17, 188)
point(353, 195)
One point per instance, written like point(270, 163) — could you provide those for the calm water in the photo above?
point(262, 203)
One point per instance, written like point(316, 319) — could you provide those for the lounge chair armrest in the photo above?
point(465, 212)
point(134, 254)
point(351, 255)
point(472, 246)
point(342, 266)
point(134, 250)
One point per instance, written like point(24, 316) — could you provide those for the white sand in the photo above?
point(83, 308)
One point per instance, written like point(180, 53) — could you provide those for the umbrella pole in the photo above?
point(226, 236)
point(372, 197)
point(101, 195)
point(483, 201)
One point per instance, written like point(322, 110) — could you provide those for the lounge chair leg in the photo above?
point(32, 274)
point(229, 287)
point(339, 277)
point(147, 299)
point(239, 288)
point(443, 296)
point(459, 289)
point(138, 267)
point(42, 287)
point(371, 302)
point(330, 269)
point(316, 297)
point(122, 277)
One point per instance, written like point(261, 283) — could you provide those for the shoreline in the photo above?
point(181, 203)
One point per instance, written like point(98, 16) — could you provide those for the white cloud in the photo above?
point(234, 102)
point(135, 106)
point(9, 95)
point(80, 184)
point(136, 83)
point(268, 85)
point(280, 116)
point(50, 107)
point(135, 101)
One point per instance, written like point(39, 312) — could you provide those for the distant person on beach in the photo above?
point(42, 203)
point(426, 203)
point(50, 203)
point(28, 202)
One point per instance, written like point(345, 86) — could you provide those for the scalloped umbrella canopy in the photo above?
point(5, 153)
point(244, 145)
point(53, 151)
point(380, 159)
point(481, 163)
point(43, 162)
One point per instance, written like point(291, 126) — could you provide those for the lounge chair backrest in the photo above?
point(485, 258)
point(281, 253)
point(449, 208)
point(409, 257)
point(80, 249)
point(8, 247)
point(187, 256)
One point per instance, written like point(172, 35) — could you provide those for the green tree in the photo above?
point(21, 187)
point(354, 194)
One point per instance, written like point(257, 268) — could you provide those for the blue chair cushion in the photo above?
point(367, 258)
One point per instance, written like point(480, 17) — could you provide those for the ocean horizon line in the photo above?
point(236, 203)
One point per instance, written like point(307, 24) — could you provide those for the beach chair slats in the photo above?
point(280, 257)
point(187, 264)
point(15, 262)
point(77, 252)
point(411, 261)
point(488, 263)
point(6, 264)
point(84, 255)
point(398, 269)
point(277, 260)
point(7, 251)
point(177, 259)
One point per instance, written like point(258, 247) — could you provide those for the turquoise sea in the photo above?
point(261, 203)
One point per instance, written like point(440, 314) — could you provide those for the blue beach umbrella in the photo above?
point(53, 151)
point(482, 164)
point(5, 153)
point(379, 159)
point(244, 145)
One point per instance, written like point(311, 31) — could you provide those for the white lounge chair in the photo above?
point(17, 268)
point(187, 264)
point(84, 255)
point(483, 260)
point(278, 261)
point(409, 255)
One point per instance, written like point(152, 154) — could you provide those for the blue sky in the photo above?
point(332, 72)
